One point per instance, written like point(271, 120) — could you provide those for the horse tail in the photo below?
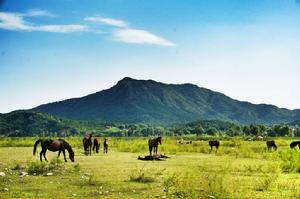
point(35, 145)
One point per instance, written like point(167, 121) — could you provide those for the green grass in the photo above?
point(240, 169)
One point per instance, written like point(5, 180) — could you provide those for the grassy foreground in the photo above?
point(240, 169)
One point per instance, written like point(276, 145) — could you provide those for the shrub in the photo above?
point(142, 175)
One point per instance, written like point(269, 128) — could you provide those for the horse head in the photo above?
point(71, 156)
point(159, 139)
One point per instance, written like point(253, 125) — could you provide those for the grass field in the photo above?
point(240, 169)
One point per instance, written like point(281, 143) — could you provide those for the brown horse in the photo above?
point(96, 145)
point(153, 143)
point(105, 145)
point(87, 144)
point(214, 143)
point(295, 143)
point(271, 145)
point(158, 157)
point(54, 145)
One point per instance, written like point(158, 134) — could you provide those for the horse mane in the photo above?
point(67, 146)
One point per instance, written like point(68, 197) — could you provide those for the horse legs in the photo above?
point(59, 153)
point(155, 150)
point(150, 150)
point(90, 150)
point(64, 155)
point(44, 153)
point(41, 154)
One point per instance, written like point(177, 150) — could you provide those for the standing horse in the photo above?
point(87, 144)
point(271, 145)
point(96, 145)
point(105, 145)
point(214, 143)
point(295, 143)
point(54, 145)
point(153, 143)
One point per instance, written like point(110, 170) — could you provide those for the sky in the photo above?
point(53, 50)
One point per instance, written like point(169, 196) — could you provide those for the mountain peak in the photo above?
point(148, 101)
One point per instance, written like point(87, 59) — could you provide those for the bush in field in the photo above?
point(42, 168)
point(290, 160)
point(179, 185)
point(142, 175)
point(37, 168)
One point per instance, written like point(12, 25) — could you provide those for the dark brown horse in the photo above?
point(153, 143)
point(59, 145)
point(96, 145)
point(295, 143)
point(87, 144)
point(214, 143)
point(271, 145)
point(105, 145)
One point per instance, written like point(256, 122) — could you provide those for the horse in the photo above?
point(295, 143)
point(153, 157)
point(96, 145)
point(54, 145)
point(271, 144)
point(153, 143)
point(105, 146)
point(214, 143)
point(87, 144)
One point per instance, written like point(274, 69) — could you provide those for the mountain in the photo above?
point(28, 123)
point(147, 101)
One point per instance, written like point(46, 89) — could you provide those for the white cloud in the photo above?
point(15, 21)
point(128, 35)
point(12, 21)
point(38, 12)
point(107, 21)
point(61, 28)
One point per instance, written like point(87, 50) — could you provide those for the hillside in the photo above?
point(147, 101)
point(27, 123)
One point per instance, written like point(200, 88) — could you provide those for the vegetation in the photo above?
point(141, 101)
point(240, 169)
point(28, 123)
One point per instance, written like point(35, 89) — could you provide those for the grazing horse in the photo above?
point(214, 143)
point(96, 145)
point(153, 143)
point(295, 143)
point(54, 145)
point(271, 145)
point(87, 144)
point(105, 146)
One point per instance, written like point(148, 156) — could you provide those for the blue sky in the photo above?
point(52, 50)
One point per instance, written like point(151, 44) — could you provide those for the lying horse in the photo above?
point(154, 157)
point(153, 143)
point(214, 143)
point(295, 143)
point(87, 144)
point(271, 145)
point(54, 145)
point(96, 145)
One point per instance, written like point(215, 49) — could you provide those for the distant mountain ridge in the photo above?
point(148, 101)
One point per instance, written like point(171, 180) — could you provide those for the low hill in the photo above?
point(28, 123)
point(147, 101)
